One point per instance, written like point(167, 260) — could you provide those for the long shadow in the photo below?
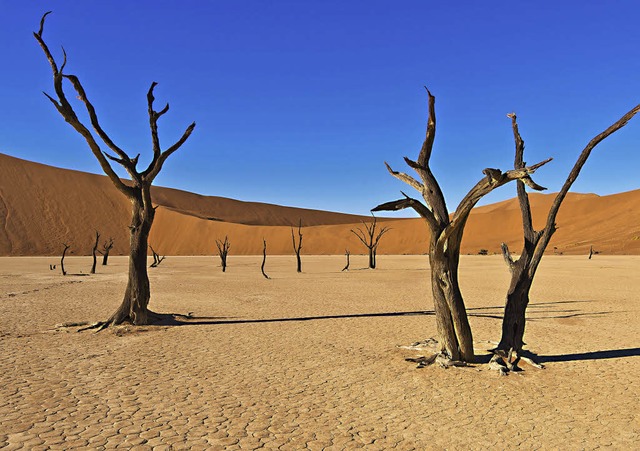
point(170, 319)
point(596, 355)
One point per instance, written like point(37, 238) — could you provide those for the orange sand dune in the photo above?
point(42, 207)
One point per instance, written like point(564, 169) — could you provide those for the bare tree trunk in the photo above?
point(346, 267)
point(64, 251)
point(297, 246)
point(523, 270)
point(134, 306)
point(264, 258)
point(93, 252)
point(590, 252)
point(446, 235)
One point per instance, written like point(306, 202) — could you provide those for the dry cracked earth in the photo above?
point(312, 360)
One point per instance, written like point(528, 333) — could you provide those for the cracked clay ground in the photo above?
point(311, 360)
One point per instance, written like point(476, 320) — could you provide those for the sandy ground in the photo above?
point(312, 359)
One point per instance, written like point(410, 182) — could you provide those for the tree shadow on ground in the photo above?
point(175, 319)
point(595, 355)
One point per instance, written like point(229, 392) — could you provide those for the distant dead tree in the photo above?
point(590, 252)
point(134, 306)
point(523, 270)
point(297, 246)
point(223, 251)
point(346, 253)
point(456, 340)
point(156, 258)
point(93, 253)
point(106, 248)
point(370, 237)
point(264, 258)
point(64, 252)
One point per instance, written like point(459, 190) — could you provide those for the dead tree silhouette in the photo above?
point(134, 306)
point(264, 258)
point(446, 235)
point(156, 258)
point(297, 246)
point(223, 251)
point(106, 248)
point(93, 253)
point(370, 237)
point(523, 269)
point(64, 252)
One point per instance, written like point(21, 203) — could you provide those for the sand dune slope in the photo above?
point(42, 207)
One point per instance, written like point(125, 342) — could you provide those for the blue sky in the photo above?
point(300, 103)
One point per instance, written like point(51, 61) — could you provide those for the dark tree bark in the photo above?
point(264, 258)
point(297, 246)
point(370, 237)
point(223, 251)
point(347, 254)
point(93, 253)
point(134, 306)
point(156, 258)
point(64, 252)
point(106, 248)
point(452, 322)
point(523, 270)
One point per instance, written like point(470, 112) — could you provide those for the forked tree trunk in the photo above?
point(370, 238)
point(452, 322)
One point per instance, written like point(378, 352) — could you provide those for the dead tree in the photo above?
point(523, 270)
point(590, 252)
point(297, 246)
point(134, 306)
point(93, 253)
point(223, 251)
point(370, 237)
point(347, 254)
point(156, 258)
point(264, 258)
point(64, 252)
point(106, 248)
point(456, 340)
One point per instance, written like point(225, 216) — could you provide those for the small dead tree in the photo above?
point(523, 270)
point(134, 306)
point(106, 248)
point(347, 254)
point(93, 253)
point(590, 252)
point(453, 327)
point(370, 237)
point(297, 246)
point(223, 251)
point(264, 258)
point(156, 258)
point(64, 252)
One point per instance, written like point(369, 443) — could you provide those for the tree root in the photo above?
point(507, 362)
point(441, 359)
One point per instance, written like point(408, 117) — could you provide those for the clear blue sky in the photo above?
point(300, 102)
